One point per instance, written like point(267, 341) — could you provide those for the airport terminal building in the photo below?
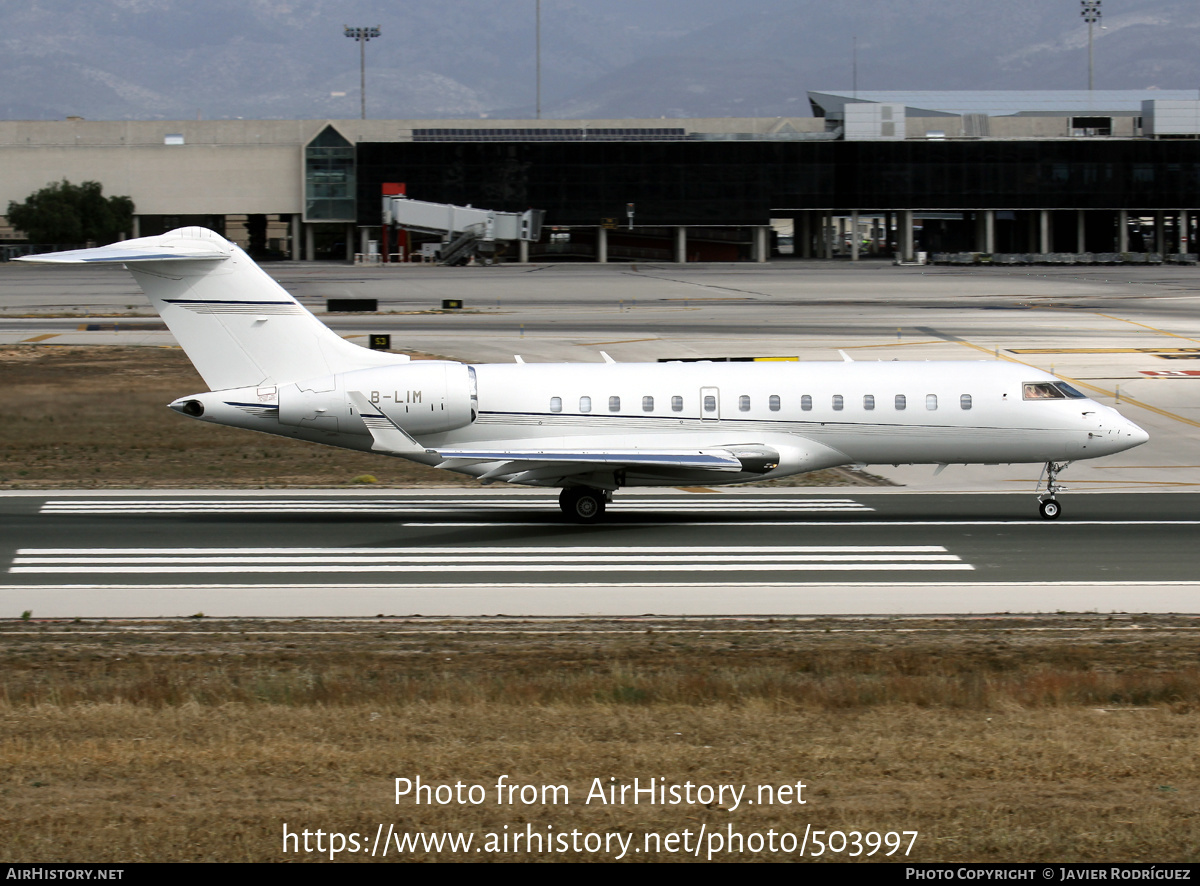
point(984, 173)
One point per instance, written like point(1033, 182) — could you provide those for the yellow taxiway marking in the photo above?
point(1145, 326)
point(624, 341)
point(694, 489)
point(1132, 401)
point(42, 337)
point(893, 344)
point(715, 298)
point(1145, 467)
point(1103, 350)
point(1124, 484)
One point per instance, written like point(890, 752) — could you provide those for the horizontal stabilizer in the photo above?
point(147, 249)
point(239, 327)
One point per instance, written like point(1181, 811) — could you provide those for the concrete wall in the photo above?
point(175, 180)
point(1012, 127)
point(874, 120)
point(79, 132)
point(1171, 117)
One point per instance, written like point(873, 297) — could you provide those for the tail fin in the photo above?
point(237, 325)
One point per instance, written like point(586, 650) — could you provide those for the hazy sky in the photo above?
point(600, 58)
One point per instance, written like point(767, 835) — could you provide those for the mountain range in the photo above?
point(600, 59)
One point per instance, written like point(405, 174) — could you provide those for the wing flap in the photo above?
point(525, 459)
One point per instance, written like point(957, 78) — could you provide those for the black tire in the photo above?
point(581, 504)
point(1050, 509)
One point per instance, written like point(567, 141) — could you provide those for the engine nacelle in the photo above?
point(425, 397)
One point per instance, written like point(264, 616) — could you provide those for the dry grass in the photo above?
point(96, 417)
point(999, 740)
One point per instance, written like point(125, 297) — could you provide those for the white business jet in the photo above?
point(590, 429)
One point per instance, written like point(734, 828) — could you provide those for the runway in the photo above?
point(737, 552)
point(931, 548)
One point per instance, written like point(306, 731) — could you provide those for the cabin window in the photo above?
point(901, 402)
point(837, 402)
point(677, 403)
point(556, 404)
point(710, 403)
point(773, 402)
point(806, 403)
point(868, 401)
point(647, 404)
point(585, 404)
point(931, 402)
point(614, 404)
point(965, 401)
point(744, 403)
point(1042, 391)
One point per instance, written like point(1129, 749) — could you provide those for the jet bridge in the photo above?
point(465, 230)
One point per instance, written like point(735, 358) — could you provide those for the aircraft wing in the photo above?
point(523, 465)
point(527, 464)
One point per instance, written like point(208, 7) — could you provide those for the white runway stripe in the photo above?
point(481, 563)
point(508, 549)
point(487, 560)
point(379, 506)
point(607, 568)
point(457, 501)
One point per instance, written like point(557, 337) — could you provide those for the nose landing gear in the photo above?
point(1048, 505)
point(1049, 509)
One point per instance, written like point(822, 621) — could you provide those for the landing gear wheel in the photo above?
point(581, 504)
point(1048, 506)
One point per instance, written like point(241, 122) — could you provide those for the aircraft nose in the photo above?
point(1132, 435)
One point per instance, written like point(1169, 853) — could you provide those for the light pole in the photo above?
point(538, 40)
point(363, 37)
point(1091, 15)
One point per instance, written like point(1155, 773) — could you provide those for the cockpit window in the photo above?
point(1042, 390)
point(1070, 391)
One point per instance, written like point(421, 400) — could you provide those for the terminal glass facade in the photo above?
point(329, 178)
point(746, 182)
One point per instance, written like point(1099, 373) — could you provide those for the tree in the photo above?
point(65, 213)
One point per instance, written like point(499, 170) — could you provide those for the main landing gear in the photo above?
point(1048, 505)
point(582, 504)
